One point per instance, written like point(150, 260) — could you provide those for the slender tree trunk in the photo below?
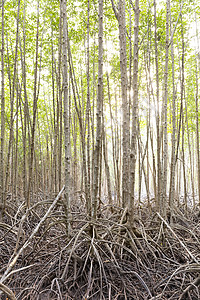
point(12, 96)
point(134, 107)
point(158, 152)
point(130, 63)
point(88, 108)
point(107, 169)
point(117, 149)
point(183, 121)
point(32, 146)
point(97, 150)
point(2, 202)
point(82, 132)
point(173, 161)
point(121, 18)
point(154, 163)
point(183, 165)
point(26, 115)
point(113, 141)
point(165, 140)
point(75, 160)
point(93, 111)
point(67, 204)
point(190, 154)
point(60, 106)
point(197, 133)
point(55, 122)
point(125, 109)
point(16, 177)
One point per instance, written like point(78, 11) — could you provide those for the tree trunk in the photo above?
point(97, 150)
point(32, 146)
point(66, 121)
point(165, 101)
point(197, 134)
point(121, 18)
point(158, 152)
point(134, 108)
point(2, 113)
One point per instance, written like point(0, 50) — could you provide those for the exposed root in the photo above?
point(7, 291)
point(103, 259)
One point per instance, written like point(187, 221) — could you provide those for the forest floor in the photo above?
point(103, 259)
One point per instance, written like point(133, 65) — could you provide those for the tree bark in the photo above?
point(97, 149)
point(165, 101)
point(2, 111)
point(67, 204)
point(32, 146)
point(133, 155)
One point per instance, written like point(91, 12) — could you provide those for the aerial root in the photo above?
point(192, 286)
point(102, 259)
point(5, 289)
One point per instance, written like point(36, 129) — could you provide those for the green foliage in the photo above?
point(50, 43)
